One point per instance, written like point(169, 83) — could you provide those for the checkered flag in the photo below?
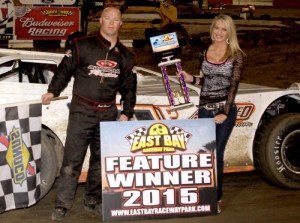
point(6, 25)
point(177, 130)
point(20, 154)
point(138, 132)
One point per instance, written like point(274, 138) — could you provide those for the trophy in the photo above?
point(164, 47)
point(175, 94)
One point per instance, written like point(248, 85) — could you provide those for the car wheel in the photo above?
point(277, 151)
point(49, 162)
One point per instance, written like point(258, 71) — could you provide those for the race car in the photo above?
point(216, 5)
point(265, 138)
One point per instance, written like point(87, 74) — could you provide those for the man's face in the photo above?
point(110, 22)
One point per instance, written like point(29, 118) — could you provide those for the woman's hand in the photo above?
point(220, 118)
point(186, 76)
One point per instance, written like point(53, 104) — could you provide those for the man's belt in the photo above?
point(93, 104)
point(213, 106)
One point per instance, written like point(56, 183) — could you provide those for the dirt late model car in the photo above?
point(266, 136)
point(216, 6)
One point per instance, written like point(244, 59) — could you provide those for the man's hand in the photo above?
point(46, 98)
point(123, 118)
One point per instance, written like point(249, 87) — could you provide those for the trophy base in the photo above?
point(181, 106)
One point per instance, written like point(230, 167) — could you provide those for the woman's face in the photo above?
point(219, 32)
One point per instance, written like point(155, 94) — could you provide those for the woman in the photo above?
point(221, 67)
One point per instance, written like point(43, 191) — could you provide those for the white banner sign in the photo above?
point(158, 169)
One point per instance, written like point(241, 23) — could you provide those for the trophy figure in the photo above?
point(177, 94)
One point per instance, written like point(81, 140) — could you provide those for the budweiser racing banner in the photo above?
point(20, 155)
point(158, 169)
point(45, 2)
point(42, 23)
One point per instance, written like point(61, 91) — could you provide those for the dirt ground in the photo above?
point(272, 59)
point(247, 198)
point(272, 46)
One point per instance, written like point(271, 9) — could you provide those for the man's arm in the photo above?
point(61, 77)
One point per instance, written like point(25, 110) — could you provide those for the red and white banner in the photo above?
point(45, 2)
point(42, 23)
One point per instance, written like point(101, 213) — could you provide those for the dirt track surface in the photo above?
point(272, 46)
point(272, 56)
point(247, 199)
point(268, 64)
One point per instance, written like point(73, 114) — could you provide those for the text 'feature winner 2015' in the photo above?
point(161, 171)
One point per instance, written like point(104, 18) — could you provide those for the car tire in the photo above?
point(277, 151)
point(49, 163)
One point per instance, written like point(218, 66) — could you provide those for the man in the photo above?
point(102, 66)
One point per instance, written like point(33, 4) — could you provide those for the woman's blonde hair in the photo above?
point(233, 46)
